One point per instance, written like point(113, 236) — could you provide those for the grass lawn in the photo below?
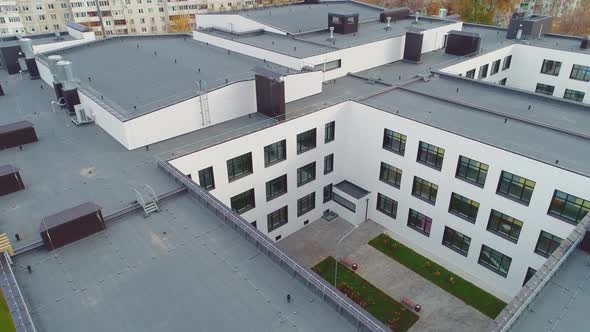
point(379, 304)
point(438, 275)
point(6, 324)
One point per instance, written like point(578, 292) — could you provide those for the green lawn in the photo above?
point(6, 324)
point(443, 278)
point(379, 304)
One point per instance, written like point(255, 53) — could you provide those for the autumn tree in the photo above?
point(180, 23)
point(482, 11)
point(574, 22)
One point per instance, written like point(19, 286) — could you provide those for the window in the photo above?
point(574, 95)
point(327, 66)
point(472, 171)
point(277, 218)
point(568, 207)
point(547, 244)
point(483, 71)
point(306, 141)
point(305, 204)
point(507, 61)
point(419, 222)
point(305, 174)
point(344, 202)
point(206, 179)
point(430, 155)
point(390, 175)
point(504, 226)
point(494, 260)
point(464, 207)
point(529, 274)
point(424, 190)
point(329, 163)
point(394, 142)
point(456, 241)
point(516, 187)
point(275, 153)
point(387, 205)
point(470, 74)
point(545, 89)
point(239, 167)
point(581, 73)
point(551, 67)
point(330, 132)
point(243, 202)
point(495, 67)
point(327, 193)
point(276, 187)
point(503, 81)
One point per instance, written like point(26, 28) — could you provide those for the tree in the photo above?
point(180, 23)
point(482, 11)
point(574, 22)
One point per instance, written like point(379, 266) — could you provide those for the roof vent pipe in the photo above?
point(64, 68)
point(388, 27)
point(331, 32)
point(442, 12)
point(26, 46)
point(52, 60)
point(417, 16)
point(519, 33)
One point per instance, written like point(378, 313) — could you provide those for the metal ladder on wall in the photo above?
point(147, 198)
point(204, 101)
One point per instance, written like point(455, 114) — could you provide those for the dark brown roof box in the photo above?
point(68, 215)
point(395, 14)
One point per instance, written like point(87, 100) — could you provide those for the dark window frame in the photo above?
point(470, 73)
point(545, 89)
point(465, 164)
point(280, 148)
point(330, 132)
point(509, 184)
point(487, 263)
point(430, 155)
point(270, 195)
point(567, 200)
point(394, 141)
point(390, 175)
point(345, 203)
point(530, 272)
point(329, 164)
point(553, 242)
point(327, 192)
point(504, 226)
point(302, 138)
point(249, 195)
point(495, 67)
point(387, 206)
point(507, 62)
point(234, 163)
point(415, 217)
point(282, 214)
point(574, 95)
point(459, 202)
point(455, 241)
point(305, 204)
point(424, 190)
point(311, 178)
point(205, 175)
point(585, 70)
point(483, 71)
point(551, 67)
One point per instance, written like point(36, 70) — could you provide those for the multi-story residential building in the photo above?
point(550, 7)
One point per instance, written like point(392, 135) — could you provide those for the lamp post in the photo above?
point(337, 244)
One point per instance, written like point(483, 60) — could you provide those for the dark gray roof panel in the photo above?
point(352, 189)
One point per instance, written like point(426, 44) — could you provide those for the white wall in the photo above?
point(434, 38)
point(45, 73)
point(81, 35)
point(358, 153)
point(235, 23)
point(356, 217)
point(104, 119)
point(525, 69)
point(259, 53)
point(59, 45)
point(302, 85)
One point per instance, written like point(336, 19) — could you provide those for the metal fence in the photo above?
point(347, 308)
point(14, 298)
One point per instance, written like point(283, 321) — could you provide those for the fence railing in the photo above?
point(347, 308)
point(14, 298)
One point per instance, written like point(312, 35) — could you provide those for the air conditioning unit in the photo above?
point(81, 116)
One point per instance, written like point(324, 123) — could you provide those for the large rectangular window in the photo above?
point(344, 202)
point(330, 132)
point(430, 155)
point(470, 73)
point(516, 187)
point(568, 207)
point(494, 260)
point(495, 67)
point(243, 202)
point(306, 141)
point(551, 67)
point(547, 244)
point(277, 218)
point(387, 205)
point(276, 187)
point(545, 89)
point(305, 174)
point(327, 66)
point(329, 163)
point(530, 272)
point(504, 226)
point(394, 142)
point(507, 61)
point(574, 95)
point(305, 204)
point(239, 167)
point(206, 178)
point(581, 73)
point(456, 241)
point(483, 71)
point(390, 175)
point(275, 153)
point(327, 193)
point(472, 171)
point(464, 207)
point(419, 222)
point(425, 190)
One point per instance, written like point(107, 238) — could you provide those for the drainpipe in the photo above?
point(367, 210)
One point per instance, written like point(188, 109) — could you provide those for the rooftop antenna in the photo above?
point(331, 33)
point(388, 27)
point(417, 16)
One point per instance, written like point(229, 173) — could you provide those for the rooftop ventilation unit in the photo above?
point(58, 36)
point(442, 12)
point(343, 23)
point(26, 46)
point(530, 26)
point(395, 14)
point(81, 117)
point(462, 43)
point(52, 61)
point(65, 74)
point(585, 43)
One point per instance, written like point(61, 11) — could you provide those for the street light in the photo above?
point(336, 250)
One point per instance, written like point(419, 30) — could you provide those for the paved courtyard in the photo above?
point(441, 311)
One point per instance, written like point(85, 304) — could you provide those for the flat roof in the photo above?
point(300, 17)
point(562, 304)
point(352, 189)
point(37, 39)
point(127, 72)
